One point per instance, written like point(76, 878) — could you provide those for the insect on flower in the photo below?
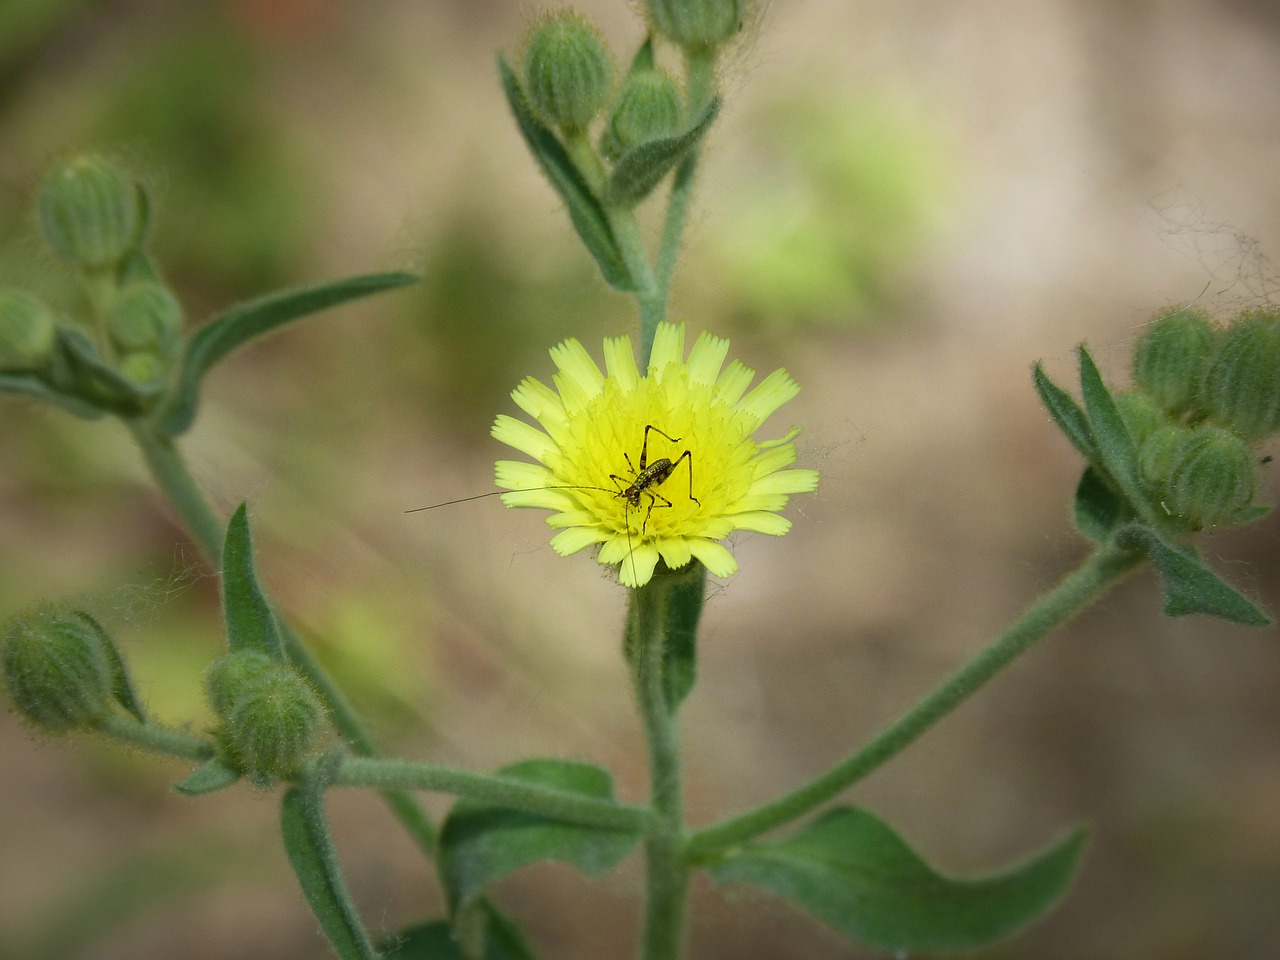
point(587, 423)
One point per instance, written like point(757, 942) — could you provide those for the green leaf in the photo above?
point(33, 385)
point(1190, 586)
point(1066, 413)
point(250, 623)
point(854, 872)
point(121, 684)
point(480, 843)
point(643, 60)
point(435, 940)
point(90, 377)
point(1117, 454)
point(307, 841)
point(1098, 509)
point(642, 167)
point(585, 210)
point(243, 323)
point(684, 608)
point(211, 775)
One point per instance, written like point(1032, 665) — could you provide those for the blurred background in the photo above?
point(904, 204)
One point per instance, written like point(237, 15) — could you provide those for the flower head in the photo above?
point(612, 459)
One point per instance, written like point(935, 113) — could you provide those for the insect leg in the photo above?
point(687, 456)
point(644, 448)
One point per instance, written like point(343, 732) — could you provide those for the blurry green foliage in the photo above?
point(837, 197)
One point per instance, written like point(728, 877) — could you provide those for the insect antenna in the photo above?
point(498, 493)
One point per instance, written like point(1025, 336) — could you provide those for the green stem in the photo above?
point(154, 738)
point(667, 876)
point(496, 789)
point(173, 477)
point(171, 473)
point(1077, 591)
point(651, 299)
point(700, 85)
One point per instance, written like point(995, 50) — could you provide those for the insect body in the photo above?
point(646, 477)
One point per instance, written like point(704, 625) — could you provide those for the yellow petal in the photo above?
point(718, 561)
point(706, 358)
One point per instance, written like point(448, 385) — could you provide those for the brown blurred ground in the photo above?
point(1084, 163)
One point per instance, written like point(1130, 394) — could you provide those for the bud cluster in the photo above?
point(270, 716)
point(93, 216)
point(1206, 396)
point(569, 79)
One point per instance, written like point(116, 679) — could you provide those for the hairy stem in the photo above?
point(667, 876)
point(1077, 591)
point(496, 789)
point(156, 739)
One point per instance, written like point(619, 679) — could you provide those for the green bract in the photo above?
point(57, 668)
point(90, 213)
point(1242, 387)
point(1171, 357)
point(568, 72)
point(697, 23)
point(27, 331)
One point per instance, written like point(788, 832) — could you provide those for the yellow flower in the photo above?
point(612, 462)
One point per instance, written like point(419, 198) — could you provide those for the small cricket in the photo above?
point(645, 478)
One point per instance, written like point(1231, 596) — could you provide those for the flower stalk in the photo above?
point(666, 873)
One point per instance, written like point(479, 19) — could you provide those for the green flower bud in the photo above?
point(697, 23)
point(1171, 357)
point(57, 668)
point(89, 213)
point(1242, 387)
point(1141, 414)
point(271, 717)
point(144, 316)
point(27, 332)
point(648, 106)
point(1211, 479)
point(1157, 452)
point(143, 367)
point(568, 71)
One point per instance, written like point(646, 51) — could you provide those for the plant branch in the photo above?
point(1077, 591)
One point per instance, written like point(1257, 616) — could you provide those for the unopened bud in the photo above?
point(57, 668)
point(697, 23)
point(1141, 414)
point(1157, 453)
point(144, 316)
point(648, 106)
point(89, 213)
point(1211, 480)
point(1242, 387)
point(27, 332)
point(568, 71)
point(271, 717)
point(143, 367)
point(1171, 357)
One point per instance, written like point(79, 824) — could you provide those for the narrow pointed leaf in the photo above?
point(251, 320)
point(435, 941)
point(585, 210)
point(34, 386)
point(1190, 586)
point(480, 843)
point(1098, 509)
point(210, 776)
point(853, 871)
point(643, 60)
point(122, 690)
point(250, 623)
point(642, 167)
point(1117, 454)
point(307, 841)
point(92, 377)
point(1066, 413)
point(684, 608)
